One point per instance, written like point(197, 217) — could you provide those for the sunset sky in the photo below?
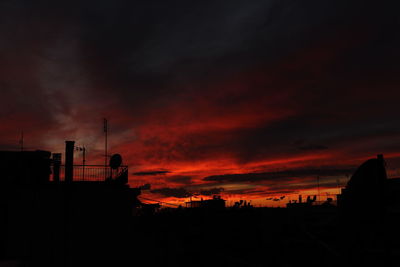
point(248, 99)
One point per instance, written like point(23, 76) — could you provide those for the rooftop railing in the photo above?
point(95, 173)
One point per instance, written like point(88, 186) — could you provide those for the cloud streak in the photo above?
point(279, 175)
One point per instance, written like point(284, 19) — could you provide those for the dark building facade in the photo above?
point(49, 219)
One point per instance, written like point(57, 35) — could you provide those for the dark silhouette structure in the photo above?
point(216, 203)
point(25, 167)
point(242, 204)
point(51, 219)
point(370, 192)
point(369, 209)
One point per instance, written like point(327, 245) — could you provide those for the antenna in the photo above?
point(319, 199)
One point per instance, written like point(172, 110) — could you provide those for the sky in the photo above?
point(254, 100)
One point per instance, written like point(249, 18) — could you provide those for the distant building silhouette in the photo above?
point(242, 204)
point(216, 203)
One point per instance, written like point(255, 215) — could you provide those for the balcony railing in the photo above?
point(92, 172)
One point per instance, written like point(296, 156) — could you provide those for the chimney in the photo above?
point(69, 161)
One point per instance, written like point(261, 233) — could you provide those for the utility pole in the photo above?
point(318, 188)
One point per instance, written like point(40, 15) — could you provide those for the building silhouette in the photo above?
point(63, 215)
point(216, 203)
point(370, 191)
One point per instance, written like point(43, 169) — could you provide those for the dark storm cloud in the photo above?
point(150, 173)
point(281, 192)
point(310, 185)
point(24, 104)
point(211, 191)
point(172, 192)
point(277, 139)
point(313, 147)
point(276, 176)
point(185, 180)
point(181, 192)
point(145, 187)
point(142, 49)
point(247, 192)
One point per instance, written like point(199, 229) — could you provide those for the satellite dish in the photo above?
point(115, 161)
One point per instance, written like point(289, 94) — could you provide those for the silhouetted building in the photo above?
point(369, 192)
point(24, 167)
point(366, 188)
point(55, 219)
point(392, 195)
point(242, 204)
point(311, 201)
point(149, 209)
point(216, 203)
